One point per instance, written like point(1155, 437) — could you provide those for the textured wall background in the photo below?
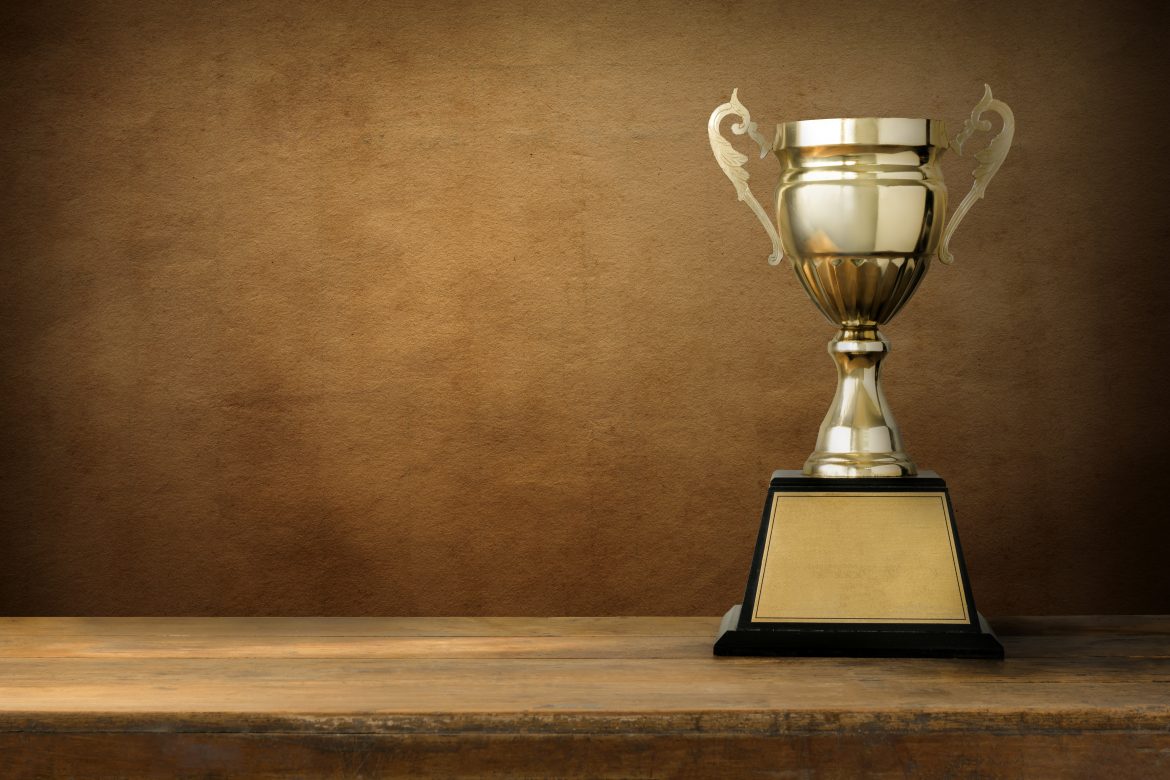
point(349, 308)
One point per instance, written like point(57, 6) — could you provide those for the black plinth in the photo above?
point(963, 634)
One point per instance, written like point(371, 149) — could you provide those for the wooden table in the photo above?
point(599, 697)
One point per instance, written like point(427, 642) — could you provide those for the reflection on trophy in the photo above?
point(858, 553)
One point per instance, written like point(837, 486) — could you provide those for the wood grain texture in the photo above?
point(969, 756)
point(444, 308)
point(600, 697)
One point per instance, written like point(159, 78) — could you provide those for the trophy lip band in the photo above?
point(862, 131)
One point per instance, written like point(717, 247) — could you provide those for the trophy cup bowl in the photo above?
point(860, 212)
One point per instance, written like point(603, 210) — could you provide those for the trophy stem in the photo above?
point(859, 437)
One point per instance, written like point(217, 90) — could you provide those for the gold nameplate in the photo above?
point(860, 558)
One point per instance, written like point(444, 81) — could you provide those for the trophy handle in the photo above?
point(990, 158)
point(731, 161)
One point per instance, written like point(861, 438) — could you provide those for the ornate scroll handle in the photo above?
point(990, 158)
point(732, 162)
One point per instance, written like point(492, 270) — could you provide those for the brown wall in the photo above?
point(439, 308)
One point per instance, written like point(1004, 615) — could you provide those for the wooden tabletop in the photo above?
point(561, 696)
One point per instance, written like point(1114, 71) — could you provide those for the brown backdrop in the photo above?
point(397, 308)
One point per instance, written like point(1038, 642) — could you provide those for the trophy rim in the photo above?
point(862, 131)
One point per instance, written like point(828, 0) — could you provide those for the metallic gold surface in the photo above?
point(732, 162)
point(860, 558)
point(989, 159)
point(859, 211)
point(865, 131)
point(859, 437)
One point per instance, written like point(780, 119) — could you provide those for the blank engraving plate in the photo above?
point(860, 558)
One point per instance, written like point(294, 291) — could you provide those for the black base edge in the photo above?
point(919, 642)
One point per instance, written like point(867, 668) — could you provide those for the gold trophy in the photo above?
point(858, 553)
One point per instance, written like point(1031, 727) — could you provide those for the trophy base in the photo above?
point(870, 643)
point(857, 567)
